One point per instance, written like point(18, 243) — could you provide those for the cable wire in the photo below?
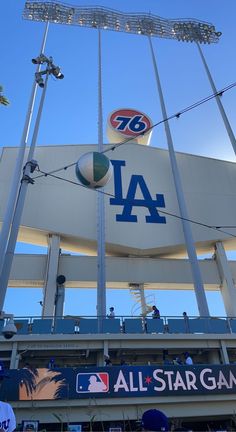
point(113, 147)
point(215, 228)
point(176, 115)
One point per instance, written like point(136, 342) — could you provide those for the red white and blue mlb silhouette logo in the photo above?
point(92, 382)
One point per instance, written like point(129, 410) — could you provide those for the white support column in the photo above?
point(50, 287)
point(102, 354)
point(213, 357)
point(228, 289)
point(224, 353)
point(60, 300)
point(14, 357)
point(105, 348)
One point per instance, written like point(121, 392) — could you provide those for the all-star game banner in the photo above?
point(116, 381)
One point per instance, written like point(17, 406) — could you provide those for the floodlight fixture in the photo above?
point(184, 30)
point(39, 79)
point(56, 71)
point(40, 59)
point(51, 68)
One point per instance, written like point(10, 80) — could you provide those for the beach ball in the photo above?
point(93, 169)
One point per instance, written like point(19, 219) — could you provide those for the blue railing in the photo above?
point(124, 324)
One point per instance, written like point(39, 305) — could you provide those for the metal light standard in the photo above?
point(29, 168)
point(101, 250)
point(218, 101)
point(188, 30)
point(7, 219)
point(191, 250)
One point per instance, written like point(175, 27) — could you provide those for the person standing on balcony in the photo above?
point(107, 361)
point(186, 320)
point(111, 313)
point(188, 358)
point(156, 312)
point(7, 416)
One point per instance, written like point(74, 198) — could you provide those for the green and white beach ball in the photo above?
point(93, 169)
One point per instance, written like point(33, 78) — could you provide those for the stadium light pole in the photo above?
point(29, 168)
point(7, 219)
point(184, 30)
point(101, 249)
point(218, 101)
point(190, 246)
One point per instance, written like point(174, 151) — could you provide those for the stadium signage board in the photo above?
point(116, 381)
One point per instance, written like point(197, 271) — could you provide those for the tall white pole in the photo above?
point(7, 220)
point(101, 253)
point(219, 103)
point(7, 263)
point(197, 278)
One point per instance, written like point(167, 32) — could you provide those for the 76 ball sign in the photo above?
point(128, 123)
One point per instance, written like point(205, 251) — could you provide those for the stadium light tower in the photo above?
point(30, 166)
point(183, 30)
point(7, 219)
point(187, 30)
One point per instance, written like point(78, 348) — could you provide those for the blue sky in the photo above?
point(70, 113)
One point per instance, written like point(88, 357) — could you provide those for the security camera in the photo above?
point(9, 330)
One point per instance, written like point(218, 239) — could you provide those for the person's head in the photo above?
point(111, 309)
point(154, 307)
point(184, 314)
point(154, 420)
point(186, 354)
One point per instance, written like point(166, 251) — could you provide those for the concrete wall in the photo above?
point(81, 272)
point(56, 206)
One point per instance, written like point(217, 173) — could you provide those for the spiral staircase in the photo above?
point(143, 304)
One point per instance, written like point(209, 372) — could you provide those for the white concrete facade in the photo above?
point(57, 207)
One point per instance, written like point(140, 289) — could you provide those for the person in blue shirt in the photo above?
point(156, 312)
point(7, 416)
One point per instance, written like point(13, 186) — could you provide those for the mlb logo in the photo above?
point(97, 382)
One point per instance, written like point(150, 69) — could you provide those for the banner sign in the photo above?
point(118, 381)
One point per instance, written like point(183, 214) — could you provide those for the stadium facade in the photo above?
point(145, 249)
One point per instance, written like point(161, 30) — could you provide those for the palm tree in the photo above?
point(3, 99)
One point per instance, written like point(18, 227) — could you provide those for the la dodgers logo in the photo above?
point(130, 201)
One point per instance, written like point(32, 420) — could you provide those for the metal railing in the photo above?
point(124, 324)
